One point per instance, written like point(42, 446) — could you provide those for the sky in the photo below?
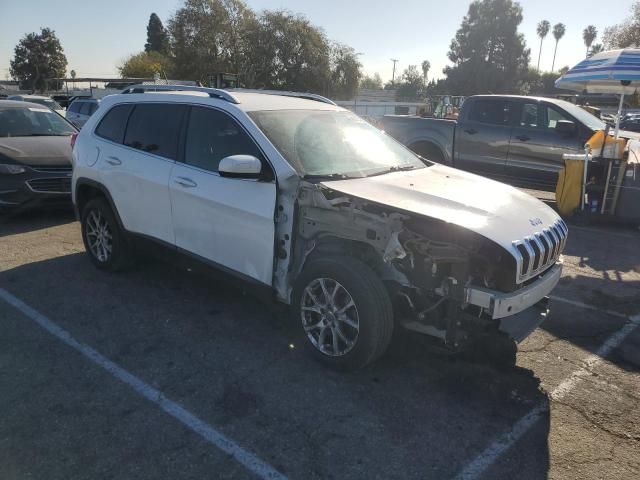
point(97, 35)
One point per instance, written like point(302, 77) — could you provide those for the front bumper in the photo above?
point(499, 305)
point(36, 187)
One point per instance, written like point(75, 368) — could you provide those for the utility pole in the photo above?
point(393, 75)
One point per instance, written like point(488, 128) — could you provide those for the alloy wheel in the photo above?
point(329, 317)
point(99, 236)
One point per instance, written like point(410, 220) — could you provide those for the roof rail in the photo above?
point(304, 95)
point(212, 92)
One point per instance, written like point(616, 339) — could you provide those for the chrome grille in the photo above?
point(536, 253)
point(52, 168)
point(50, 185)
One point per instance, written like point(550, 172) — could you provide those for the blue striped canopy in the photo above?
point(603, 73)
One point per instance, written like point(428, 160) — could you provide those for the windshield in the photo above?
point(52, 104)
point(333, 143)
point(32, 121)
point(582, 115)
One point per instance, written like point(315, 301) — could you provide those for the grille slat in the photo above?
point(541, 250)
point(50, 185)
point(51, 168)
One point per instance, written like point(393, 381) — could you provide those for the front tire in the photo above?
point(105, 242)
point(343, 312)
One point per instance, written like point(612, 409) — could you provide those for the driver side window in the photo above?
point(553, 117)
point(212, 136)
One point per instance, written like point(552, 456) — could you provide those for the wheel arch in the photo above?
point(87, 189)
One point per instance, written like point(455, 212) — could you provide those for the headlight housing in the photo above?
point(11, 169)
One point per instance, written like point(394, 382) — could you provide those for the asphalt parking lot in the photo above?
point(194, 378)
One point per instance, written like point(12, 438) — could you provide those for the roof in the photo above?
point(556, 101)
point(19, 104)
point(250, 101)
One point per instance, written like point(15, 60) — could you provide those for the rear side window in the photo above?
point(213, 135)
point(155, 128)
point(113, 123)
point(495, 112)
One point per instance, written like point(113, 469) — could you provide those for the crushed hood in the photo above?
point(496, 211)
point(54, 150)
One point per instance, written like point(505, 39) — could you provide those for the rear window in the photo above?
point(495, 112)
point(75, 107)
point(113, 124)
point(85, 109)
point(155, 128)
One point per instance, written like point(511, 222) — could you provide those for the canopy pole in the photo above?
point(618, 117)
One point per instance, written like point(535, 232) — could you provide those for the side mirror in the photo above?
point(240, 166)
point(565, 128)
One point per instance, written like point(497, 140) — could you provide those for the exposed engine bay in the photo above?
point(443, 279)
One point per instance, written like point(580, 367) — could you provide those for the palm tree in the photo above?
point(558, 32)
point(542, 30)
point(597, 48)
point(589, 34)
point(426, 65)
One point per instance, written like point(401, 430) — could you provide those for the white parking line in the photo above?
point(488, 456)
point(246, 458)
point(577, 303)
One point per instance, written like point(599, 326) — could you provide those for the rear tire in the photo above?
point(429, 151)
point(343, 312)
point(105, 242)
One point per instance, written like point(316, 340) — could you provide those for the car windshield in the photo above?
point(52, 104)
point(32, 121)
point(582, 116)
point(333, 143)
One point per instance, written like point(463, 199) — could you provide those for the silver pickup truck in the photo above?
point(515, 139)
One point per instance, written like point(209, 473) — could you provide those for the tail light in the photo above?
point(74, 137)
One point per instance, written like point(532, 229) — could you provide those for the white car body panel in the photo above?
point(497, 211)
point(139, 185)
point(229, 221)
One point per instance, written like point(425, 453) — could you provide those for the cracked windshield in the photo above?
point(284, 239)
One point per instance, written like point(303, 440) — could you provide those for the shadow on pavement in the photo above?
point(31, 220)
point(237, 363)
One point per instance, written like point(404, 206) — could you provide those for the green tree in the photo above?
point(426, 66)
point(290, 53)
point(488, 53)
point(558, 32)
point(37, 57)
point(146, 65)
point(371, 82)
point(157, 38)
point(589, 34)
point(411, 84)
point(542, 30)
point(208, 37)
point(625, 34)
point(597, 48)
point(345, 72)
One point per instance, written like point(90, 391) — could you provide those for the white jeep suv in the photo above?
point(336, 219)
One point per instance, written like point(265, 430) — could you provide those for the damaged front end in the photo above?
point(445, 281)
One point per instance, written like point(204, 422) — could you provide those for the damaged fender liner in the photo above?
point(500, 305)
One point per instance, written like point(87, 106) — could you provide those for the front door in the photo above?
point(536, 148)
point(227, 221)
point(482, 137)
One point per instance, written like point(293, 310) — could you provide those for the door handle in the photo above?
point(471, 131)
point(185, 182)
point(114, 161)
point(523, 138)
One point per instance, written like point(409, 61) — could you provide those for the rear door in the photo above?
point(536, 148)
point(136, 170)
point(227, 221)
point(482, 136)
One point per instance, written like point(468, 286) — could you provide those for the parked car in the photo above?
point(516, 139)
point(35, 156)
point(80, 110)
point(46, 101)
point(326, 213)
point(631, 124)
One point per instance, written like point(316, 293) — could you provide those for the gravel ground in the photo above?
point(233, 361)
